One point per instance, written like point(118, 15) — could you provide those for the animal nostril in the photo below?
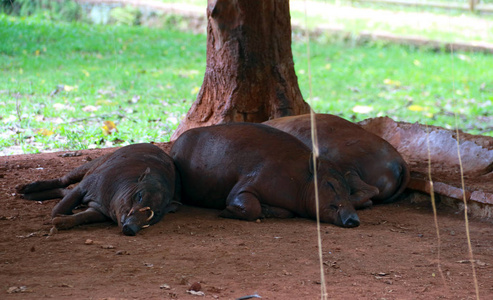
point(348, 219)
point(130, 229)
point(352, 222)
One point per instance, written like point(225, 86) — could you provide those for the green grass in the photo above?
point(99, 70)
point(405, 84)
point(408, 21)
point(355, 17)
point(144, 80)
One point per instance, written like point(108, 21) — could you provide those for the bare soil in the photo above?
point(394, 254)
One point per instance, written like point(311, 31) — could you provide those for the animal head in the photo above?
point(144, 204)
point(334, 196)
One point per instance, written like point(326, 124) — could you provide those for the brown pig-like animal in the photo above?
point(133, 186)
point(253, 171)
point(359, 153)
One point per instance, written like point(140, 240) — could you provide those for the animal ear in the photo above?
point(143, 175)
point(361, 192)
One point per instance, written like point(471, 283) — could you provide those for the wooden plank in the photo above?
point(476, 156)
point(482, 197)
point(434, 44)
point(437, 45)
point(448, 190)
point(444, 5)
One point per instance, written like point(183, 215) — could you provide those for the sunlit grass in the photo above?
point(61, 81)
point(406, 84)
point(354, 17)
point(68, 78)
point(443, 25)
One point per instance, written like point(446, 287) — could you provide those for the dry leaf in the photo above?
point(362, 109)
point(71, 154)
point(44, 132)
point(103, 102)
point(90, 108)
point(68, 88)
point(109, 127)
point(416, 108)
point(195, 90)
point(389, 81)
point(59, 106)
point(18, 289)
point(196, 293)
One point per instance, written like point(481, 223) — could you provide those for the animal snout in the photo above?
point(351, 222)
point(349, 219)
point(130, 229)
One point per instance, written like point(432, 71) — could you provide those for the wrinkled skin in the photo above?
point(133, 186)
point(252, 171)
point(367, 160)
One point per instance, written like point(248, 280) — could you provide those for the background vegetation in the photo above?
point(76, 85)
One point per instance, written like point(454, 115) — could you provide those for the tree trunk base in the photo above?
point(250, 73)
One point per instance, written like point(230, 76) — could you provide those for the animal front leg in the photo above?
point(243, 206)
point(69, 202)
point(89, 215)
point(276, 212)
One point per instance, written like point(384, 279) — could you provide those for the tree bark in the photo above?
point(250, 74)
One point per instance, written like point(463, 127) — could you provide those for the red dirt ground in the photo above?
point(394, 254)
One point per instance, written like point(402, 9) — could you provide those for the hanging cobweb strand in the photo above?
point(433, 204)
point(466, 217)
point(435, 215)
point(464, 200)
point(323, 291)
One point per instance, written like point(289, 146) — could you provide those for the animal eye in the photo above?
point(139, 197)
point(334, 207)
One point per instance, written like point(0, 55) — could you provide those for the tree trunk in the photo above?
point(250, 70)
point(472, 5)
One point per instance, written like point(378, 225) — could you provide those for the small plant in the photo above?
point(126, 15)
point(59, 10)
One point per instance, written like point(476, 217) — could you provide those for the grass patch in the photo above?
point(406, 84)
point(446, 25)
point(77, 86)
point(63, 80)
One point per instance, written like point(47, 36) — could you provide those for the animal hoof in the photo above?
point(62, 222)
point(20, 188)
point(130, 229)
